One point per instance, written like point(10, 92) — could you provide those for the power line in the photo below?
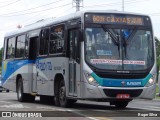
point(31, 8)
point(6, 15)
point(9, 4)
point(59, 14)
point(116, 3)
point(5, 1)
point(29, 19)
point(36, 11)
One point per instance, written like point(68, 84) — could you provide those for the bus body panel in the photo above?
point(11, 69)
point(47, 69)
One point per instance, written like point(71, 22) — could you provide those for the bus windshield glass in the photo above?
point(118, 48)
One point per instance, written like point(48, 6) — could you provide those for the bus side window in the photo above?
point(27, 47)
point(56, 39)
point(4, 49)
point(43, 50)
point(11, 48)
point(20, 46)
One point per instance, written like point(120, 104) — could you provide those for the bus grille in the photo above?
point(121, 76)
point(113, 92)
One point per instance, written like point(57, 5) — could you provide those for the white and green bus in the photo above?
point(89, 55)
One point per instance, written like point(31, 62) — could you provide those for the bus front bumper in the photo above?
point(99, 92)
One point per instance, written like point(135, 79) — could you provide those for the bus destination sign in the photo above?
point(117, 19)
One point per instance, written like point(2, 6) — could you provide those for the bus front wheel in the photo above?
point(62, 95)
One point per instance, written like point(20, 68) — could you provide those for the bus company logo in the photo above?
point(134, 83)
point(6, 114)
point(123, 83)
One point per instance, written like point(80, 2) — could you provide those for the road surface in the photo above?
point(82, 110)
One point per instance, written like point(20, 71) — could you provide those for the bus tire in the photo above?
point(7, 91)
point(121, 104)
point(56, 96)
point(21, 96)
point(64, 102)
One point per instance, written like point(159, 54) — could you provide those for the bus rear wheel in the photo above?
point(21, 96)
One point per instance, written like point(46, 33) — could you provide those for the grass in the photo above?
point(157, 92)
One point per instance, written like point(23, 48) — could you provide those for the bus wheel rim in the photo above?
point(19, 92)
point(62, 94)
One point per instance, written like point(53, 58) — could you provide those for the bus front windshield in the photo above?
point(119, 49)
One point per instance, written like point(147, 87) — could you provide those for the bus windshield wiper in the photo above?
point(113, 36)
point(129, 38)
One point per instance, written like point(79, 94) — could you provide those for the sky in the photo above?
point(25, 12)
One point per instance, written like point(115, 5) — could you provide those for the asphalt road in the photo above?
point(82, 110)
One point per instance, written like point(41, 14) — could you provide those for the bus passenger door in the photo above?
point(32, 67)
point(74, 69)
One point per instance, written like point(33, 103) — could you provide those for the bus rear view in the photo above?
point(119, 57)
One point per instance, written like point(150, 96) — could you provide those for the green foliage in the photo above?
point(157, 42)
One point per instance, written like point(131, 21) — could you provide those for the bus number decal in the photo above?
point(44, 65)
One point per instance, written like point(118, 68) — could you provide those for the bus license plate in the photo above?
point(123, 96)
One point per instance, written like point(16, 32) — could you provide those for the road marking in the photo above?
point(5, 102)
point(145, 108)
point(153, 107)
point(13, 106)
point(103, 118)
point(51, 108)
point(87, 116)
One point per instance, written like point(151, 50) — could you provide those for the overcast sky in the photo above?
point(23, 12)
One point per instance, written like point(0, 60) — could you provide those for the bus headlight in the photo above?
point(151, 81)
point(90, 79)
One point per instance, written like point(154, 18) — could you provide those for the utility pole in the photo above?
point(123, 5)
point(77, 4)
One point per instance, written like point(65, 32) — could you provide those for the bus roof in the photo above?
point(47, 22)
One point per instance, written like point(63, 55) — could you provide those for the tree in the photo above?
point(157, 42)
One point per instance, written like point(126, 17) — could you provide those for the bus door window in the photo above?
point(74, 59)
point(33, 48)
